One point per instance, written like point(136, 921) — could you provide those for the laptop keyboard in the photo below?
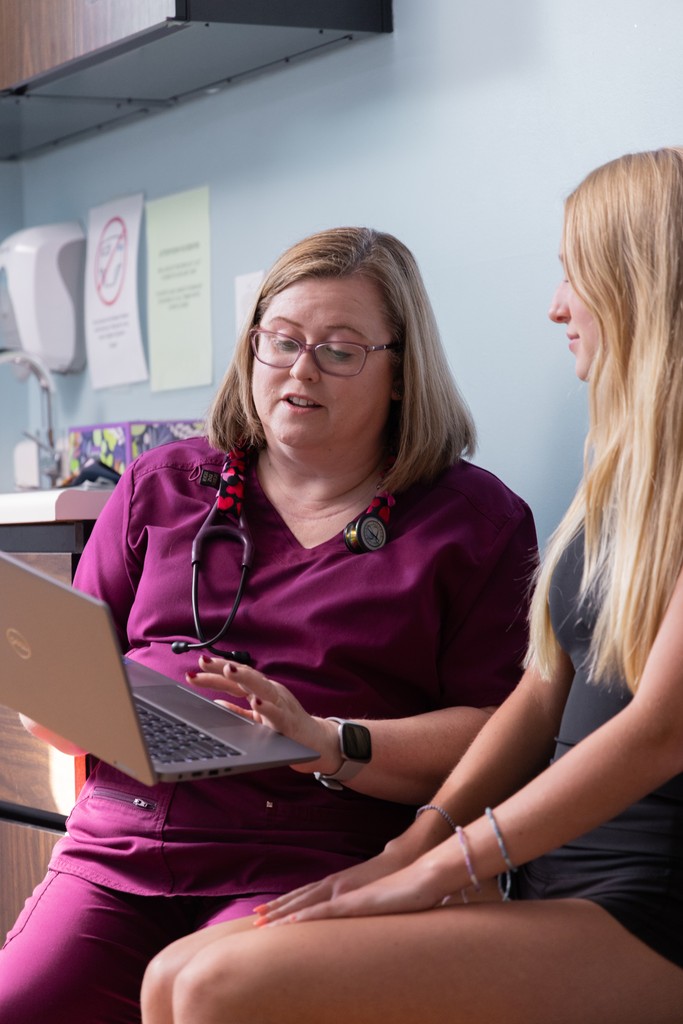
point(169, 740)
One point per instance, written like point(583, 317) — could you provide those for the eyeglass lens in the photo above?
point(341, 359)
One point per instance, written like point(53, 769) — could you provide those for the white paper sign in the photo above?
point(179, 290)
point(246, 290)
point(112, 317)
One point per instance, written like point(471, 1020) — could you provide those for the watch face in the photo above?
point(356, 742)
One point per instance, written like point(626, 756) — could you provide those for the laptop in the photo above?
point(61, 665)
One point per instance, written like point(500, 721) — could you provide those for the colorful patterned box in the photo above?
point(117, 444)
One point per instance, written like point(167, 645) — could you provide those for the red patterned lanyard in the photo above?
point(366, 533)
point(230, 497)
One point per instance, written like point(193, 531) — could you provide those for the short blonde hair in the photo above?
point(430, 426)
point(623, 255)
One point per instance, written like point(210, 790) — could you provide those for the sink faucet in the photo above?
point(50, 459)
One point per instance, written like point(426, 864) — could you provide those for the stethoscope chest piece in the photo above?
point(366, 533)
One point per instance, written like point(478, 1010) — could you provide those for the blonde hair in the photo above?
point(623, 256)
point(430, 426)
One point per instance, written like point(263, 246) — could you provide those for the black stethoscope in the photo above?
point(368, 532)
point(215, 527)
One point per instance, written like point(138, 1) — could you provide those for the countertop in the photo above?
point(49, 506)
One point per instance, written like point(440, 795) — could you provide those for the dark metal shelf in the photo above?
point(207, 46)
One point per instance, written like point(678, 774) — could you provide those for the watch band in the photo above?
point(350, 766)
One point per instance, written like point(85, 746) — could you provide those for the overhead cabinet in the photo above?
point(70, 67)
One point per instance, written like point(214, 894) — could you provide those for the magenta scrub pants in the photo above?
point(77, 952)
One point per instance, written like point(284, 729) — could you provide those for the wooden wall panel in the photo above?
point(31, 774)
point(24, 855)
point(34, 35)
point(39, 35)
point(103, 22)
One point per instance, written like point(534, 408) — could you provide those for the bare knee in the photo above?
point(159, 982)
point(170, 973)
point(214, 988)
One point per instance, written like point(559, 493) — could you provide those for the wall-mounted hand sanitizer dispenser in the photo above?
point(41, 294)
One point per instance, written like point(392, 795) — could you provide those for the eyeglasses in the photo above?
point(338, 358)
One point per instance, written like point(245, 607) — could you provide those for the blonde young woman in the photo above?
point(593, 843)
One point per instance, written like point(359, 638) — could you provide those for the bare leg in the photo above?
point(160, 977)
point(535, 962)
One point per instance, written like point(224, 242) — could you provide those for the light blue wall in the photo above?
point(15, 396)
point(460, 133)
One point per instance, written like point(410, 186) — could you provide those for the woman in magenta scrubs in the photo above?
point(338, 403)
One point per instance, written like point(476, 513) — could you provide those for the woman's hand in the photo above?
point(271, 704)
point(433, 880)
point(436, 739)
point(327, 889)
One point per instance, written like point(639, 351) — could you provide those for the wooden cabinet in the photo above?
point(38, 785)
point(69, 29)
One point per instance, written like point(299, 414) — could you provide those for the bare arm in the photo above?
point(629, 756)
point(495, 765)
point(410, 756)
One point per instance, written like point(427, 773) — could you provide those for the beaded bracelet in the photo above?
point(447, 818)
point(499, 839)
point(435, 807)
point(462, 839)
point(504, 892)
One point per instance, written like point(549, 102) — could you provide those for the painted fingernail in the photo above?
point(191, 675)
point(258, 701)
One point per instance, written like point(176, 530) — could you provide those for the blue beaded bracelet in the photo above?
point(435, 807)
point(499, 839)
point(465, 846)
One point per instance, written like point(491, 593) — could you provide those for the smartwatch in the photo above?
point(355, 747)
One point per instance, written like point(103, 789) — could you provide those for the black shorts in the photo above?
point(644, 894)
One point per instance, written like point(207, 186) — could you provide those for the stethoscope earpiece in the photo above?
point(182, 647)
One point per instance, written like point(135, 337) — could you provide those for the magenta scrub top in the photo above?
point(435, 618)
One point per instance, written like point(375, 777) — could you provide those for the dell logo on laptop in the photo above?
point(18, 643)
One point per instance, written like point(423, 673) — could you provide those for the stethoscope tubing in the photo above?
point(216, 526)
point(366, 533)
